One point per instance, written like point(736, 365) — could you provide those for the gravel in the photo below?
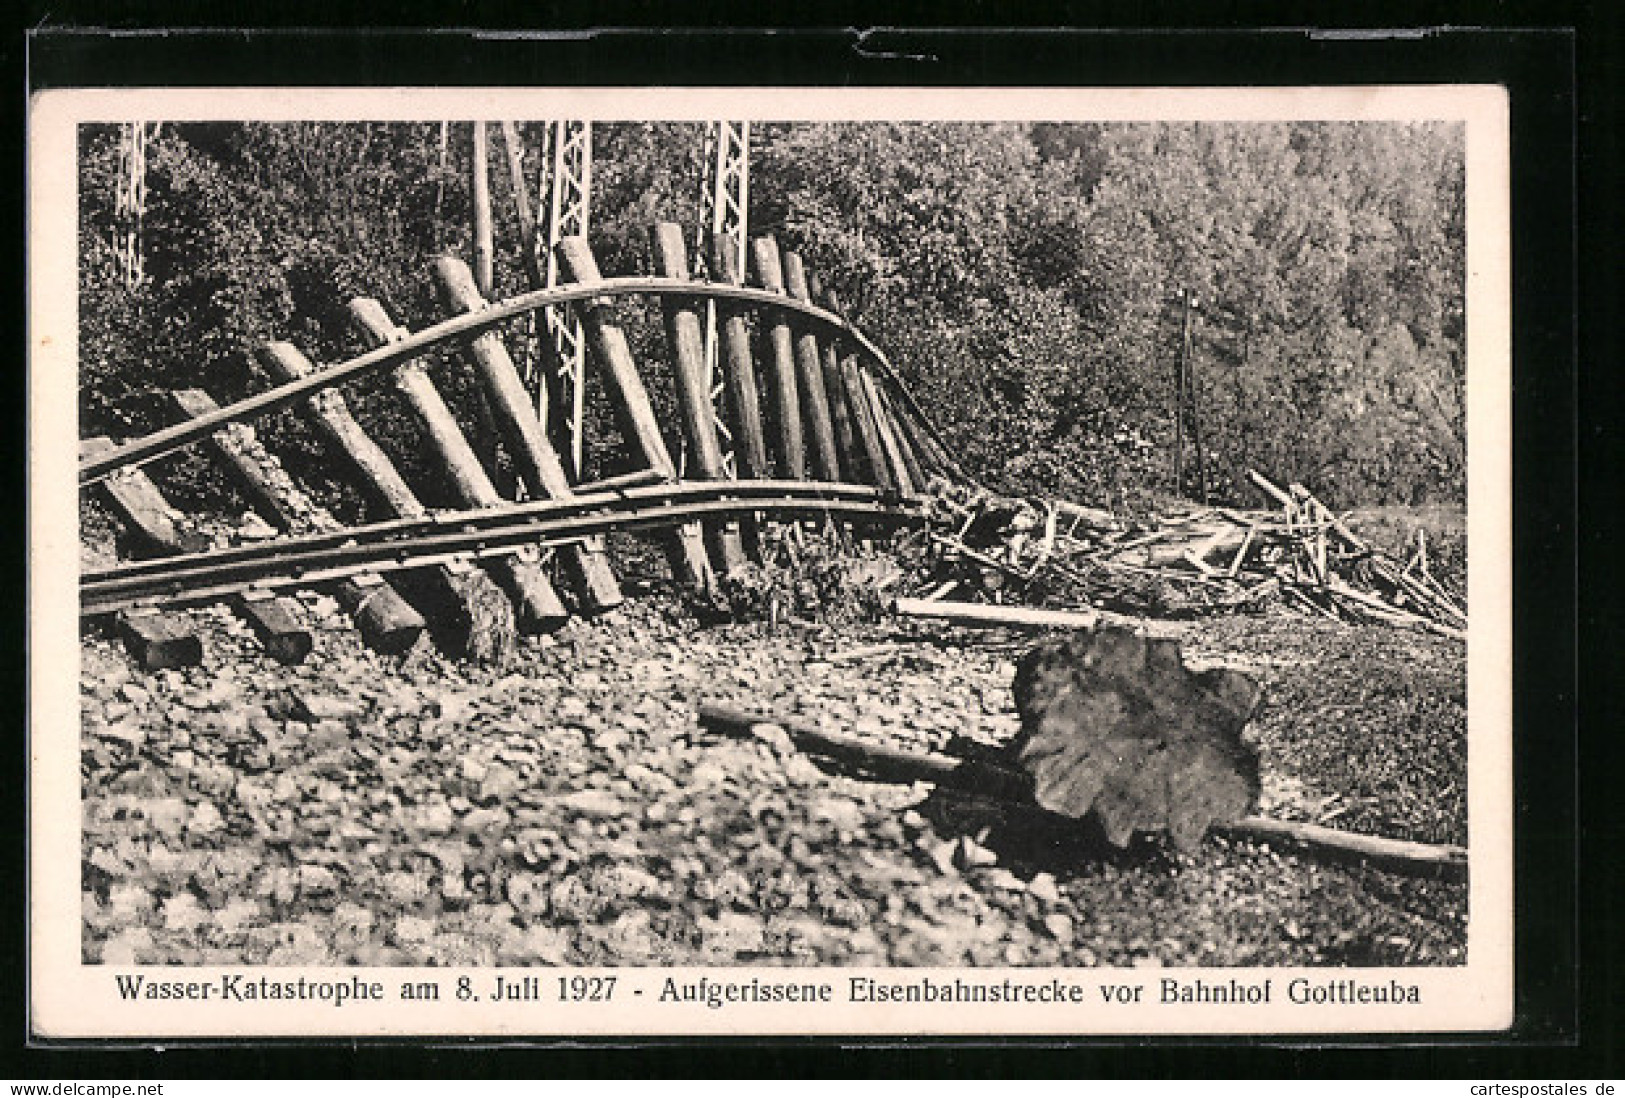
point(361, 809)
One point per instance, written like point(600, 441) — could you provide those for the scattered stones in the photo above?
point(571, 812)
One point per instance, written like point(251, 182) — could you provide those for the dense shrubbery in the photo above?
point(1023, 278)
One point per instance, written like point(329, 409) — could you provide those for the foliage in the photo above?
point(1024, 279)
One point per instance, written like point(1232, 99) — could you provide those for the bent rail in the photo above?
point(468, 326)
point(485, 532)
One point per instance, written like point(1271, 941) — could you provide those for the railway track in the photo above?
point(821, 427)
point(448, 536)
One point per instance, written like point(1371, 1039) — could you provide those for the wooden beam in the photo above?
point(142, 510)
point(790, 451)
point(480, 191)
point(686, 337)
point(890, 418)
point(685, 548)
point(159, 640)
point(522, 433)
point(814, 398)
point(874, 451)
point(846, 437)
point(895, 464)
point(739, 371)
point(515, 150)
point(456, 595)
point(537, 605)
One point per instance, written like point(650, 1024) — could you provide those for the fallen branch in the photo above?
point(991, 779)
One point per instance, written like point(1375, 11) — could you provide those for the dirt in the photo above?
point(360, 809)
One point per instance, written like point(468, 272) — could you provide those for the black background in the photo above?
point(1560, 63)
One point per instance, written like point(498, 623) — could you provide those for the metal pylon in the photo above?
point(130, 204)
point(565, 198)
point(724, 205)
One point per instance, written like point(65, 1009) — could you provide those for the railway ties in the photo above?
point(475, 575)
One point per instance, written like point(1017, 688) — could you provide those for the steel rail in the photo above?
point(496, 518)
point(385, 547)
point(467, 326)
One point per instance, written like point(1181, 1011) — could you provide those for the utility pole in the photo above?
point(480, 189)
point(1189, 361)
point(1179, 391)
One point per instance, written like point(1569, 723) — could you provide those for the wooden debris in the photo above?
point(1212, 560)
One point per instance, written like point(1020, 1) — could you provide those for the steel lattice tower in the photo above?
point(130, 204)
point(565, 197)
point(724, 205)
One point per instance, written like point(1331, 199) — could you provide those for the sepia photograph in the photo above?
point(887, 562)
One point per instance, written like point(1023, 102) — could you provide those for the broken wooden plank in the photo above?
point(159, 640)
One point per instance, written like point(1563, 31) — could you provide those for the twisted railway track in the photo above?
point(821, 427)
point(446, 536)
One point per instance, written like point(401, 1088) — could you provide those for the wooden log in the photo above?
point(246, 473)
point(685, 548)
point(379, 610)
point(159, 640)
point(457, 595)
point(686, 337)
point(275, 620)
point(970, 613)
point(991, 778)
point(896, 466)
point(330, 414)
point(142, 510)
point(789, 450)
point(480, 190)
point(893, 423)
point(875, 464)
point(522, 432)
point(846, 437)
point(810, 379)
point(515, 150)
point(750, 445)
point(536, 604)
